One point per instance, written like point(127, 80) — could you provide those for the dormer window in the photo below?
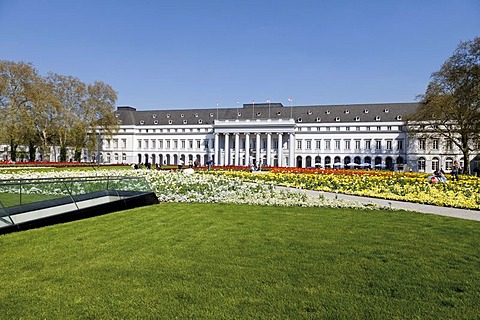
point(386, 110)
point(337, 119)
point(170, 121)
point(185, 121)
point(168, 115)
point(259, 114)
point(365, 110)
point(309, 112)
point(347, 111)
point(239, 114)
point(357, 118)
point(278, 113)
point(155, 121)
point(299, 120)
point(142, 122)
point(200, 121)
point(117, 115)
point(318, 119)
point(182, 115)
point(377, 118)
point(211, 115)
point(154, 116)
point(399, 117)
point(327, 112)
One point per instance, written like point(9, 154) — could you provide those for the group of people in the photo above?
point(439, 174)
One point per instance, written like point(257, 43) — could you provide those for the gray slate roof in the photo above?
point(383, 112)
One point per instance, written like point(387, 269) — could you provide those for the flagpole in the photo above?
point(217, 110)
point(269, 100)
point(253, 115)
point(291, 109)
point(238, 104)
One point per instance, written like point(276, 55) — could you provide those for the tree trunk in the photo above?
point(78, 154)
point(63, 154)
point(466, 161)
point(31, 151)
point(13, 150)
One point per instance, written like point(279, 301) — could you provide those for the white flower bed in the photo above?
point(177, 186)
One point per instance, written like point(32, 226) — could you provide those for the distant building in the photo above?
point(349, 136)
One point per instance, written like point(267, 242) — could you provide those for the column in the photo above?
point(269, 148)
point(280, 149)
point(237, 149)
point(216, 149)
point(247, 149)
point(291, 150)
point(257, 150)
point(227, 149)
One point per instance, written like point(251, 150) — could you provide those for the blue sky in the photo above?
point(195, 54)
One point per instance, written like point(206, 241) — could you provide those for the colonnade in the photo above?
point(235, 154)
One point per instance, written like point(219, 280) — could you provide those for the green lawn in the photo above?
point(217, 261)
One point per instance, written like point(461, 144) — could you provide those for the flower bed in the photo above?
point(413, 187)
point(178, 186)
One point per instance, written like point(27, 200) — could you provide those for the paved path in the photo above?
point(423, 208)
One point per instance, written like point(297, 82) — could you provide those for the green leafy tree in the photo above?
point(17, 83)
point(450, 107)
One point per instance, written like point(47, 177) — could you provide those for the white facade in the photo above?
point(346, 136)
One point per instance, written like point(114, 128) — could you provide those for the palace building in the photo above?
point(350, 136)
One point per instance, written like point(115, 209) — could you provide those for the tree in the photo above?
point(17, 82)
point(450, 107)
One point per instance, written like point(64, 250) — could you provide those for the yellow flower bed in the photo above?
point(412, 187)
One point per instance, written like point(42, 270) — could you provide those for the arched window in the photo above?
point(328, 161)
point(435, 164)
point(308, 162)
point(448, 164)
point(421, 164)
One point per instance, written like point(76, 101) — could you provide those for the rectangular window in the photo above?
point(299, 144)
point(368, 144)
point(347, 128)
point(160, 144)
point(175, 144)
point(318, 144)
point(146, 144)
point(205, 143)
point(275, 144)
point(124, 157)
point(264, 142)
point(182, 144)
point(190, 144)
point(154, 144)
point(337, 144)
point(327, 144)
point(309, 144)
point(124, 143)
point(357, 128)
point(435, 144)
point(389, 144)
point(115, 145)
point(421, 144)
point(168, 144)
point(357, 144)
point(347, 144)
point(199, 143)
point(378, 144)
point(448, 145)
point(399, 144)
point(139, 144)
